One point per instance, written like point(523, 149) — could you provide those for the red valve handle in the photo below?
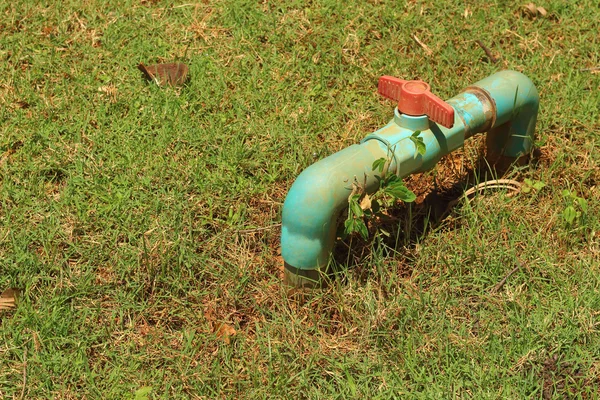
point(415, 98)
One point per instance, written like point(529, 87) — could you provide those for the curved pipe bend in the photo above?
point(316, 199)
point(516, 103)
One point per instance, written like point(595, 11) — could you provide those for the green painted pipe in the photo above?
point(504, 104)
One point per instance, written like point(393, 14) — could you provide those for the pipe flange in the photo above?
point(487, 103)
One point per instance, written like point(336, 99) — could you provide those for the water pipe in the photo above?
point(504, 104)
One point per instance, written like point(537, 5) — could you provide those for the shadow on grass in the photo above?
point(395, 235)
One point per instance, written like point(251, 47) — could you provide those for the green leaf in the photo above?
point(539, 185)
point(569, 214)
point(399, 191)
point(582, 204)
point(421, 149)
point(352, 225)
point(362, 229)
point(351, 383)
point(530, 184)
point(379, 164)
point(142, 393)
point(419, 144)
point(391, 179)
point(355, 207)
point(416, 133)
point(349, 225)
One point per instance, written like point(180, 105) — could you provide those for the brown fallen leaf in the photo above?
point(225, 332)
point(209, 314)
point(22, 104)
point(174, 74)
point(531, 11)
point(8, 299)
point(542, 11)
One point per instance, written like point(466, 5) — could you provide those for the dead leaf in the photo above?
point(7, 304)
point(8, 298)
point(542, 11)
point(22, 104)
point(365, 203)
point(111, 91)
point(209, 314)
point(225, 332)
point(47, 30)
point(174, 74)
point(531, 11)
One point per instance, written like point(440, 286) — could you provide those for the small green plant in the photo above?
point(576, 208)
point(355, 221)
point(363, 207)
point(143, 393)
point(531, 185)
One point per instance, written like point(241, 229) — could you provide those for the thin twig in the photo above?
point(593, 69)
point(262, 228)
point(277, 203)
point(488, 52)
point(495, 183)
point(423, 45)
point(185, 5)
point(24, 373)
point(503, 281)
point(491, 184)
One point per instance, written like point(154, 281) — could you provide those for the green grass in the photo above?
point(119, 213)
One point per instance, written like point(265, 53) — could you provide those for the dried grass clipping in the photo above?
point(225, 332)
point(8, 299)
point(173, 74)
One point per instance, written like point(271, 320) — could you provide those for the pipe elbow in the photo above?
point(516, 98)
point(317, 197)
point(308, 219)
point(516, 103)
